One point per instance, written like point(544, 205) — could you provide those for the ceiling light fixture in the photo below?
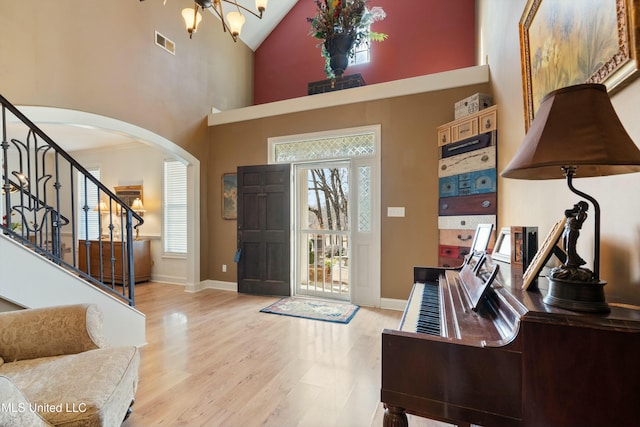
point(234, 20)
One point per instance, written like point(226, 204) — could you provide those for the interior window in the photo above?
point(361, 53)
point(175, 207)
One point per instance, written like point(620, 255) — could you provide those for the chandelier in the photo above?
point(234, 20)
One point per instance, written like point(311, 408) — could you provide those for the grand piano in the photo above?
point(473, 350)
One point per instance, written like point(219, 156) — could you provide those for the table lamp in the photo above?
point(138, 208)
point(576, 133)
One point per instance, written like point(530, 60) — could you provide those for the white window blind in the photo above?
point(89, 222)
point(175, 207)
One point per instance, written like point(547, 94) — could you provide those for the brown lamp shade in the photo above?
point(575, 126)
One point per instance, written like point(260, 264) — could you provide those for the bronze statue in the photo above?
point(571, 269)
point(575, 218)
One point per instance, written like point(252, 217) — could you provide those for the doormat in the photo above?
point(327, 311)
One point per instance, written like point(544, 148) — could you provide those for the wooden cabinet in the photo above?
point(467, 182)
point(141, 259)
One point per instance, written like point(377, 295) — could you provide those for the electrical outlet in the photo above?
point(224, 268)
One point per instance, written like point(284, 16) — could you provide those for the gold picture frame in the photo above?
point(563, 43)
point(128, 193)
point(230, 196)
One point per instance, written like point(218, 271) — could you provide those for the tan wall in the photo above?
point(104, 61)
point(409, 175)
point(541, 203)
point(100, 57)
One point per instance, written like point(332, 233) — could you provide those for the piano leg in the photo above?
point(394, 417)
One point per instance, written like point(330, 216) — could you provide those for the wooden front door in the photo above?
point(264, 220)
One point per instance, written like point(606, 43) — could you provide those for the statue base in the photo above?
point(575, 295)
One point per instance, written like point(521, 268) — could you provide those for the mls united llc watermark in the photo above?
point(21, 407)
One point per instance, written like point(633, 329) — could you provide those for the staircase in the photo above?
point(50, 202)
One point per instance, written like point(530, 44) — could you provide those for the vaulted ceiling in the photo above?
point(255, 31)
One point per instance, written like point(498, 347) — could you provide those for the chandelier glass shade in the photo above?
point(192, 19)
point(234, 19)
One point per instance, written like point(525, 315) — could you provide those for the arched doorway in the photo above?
point(78, 127)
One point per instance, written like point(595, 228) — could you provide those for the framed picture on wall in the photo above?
point(230, 196)
point(564, 43)
point(128, 193)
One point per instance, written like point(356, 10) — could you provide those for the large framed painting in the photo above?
point(563, 43)
point(230, 196)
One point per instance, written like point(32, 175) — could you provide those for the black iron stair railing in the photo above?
point(42, 236)
point(43, 208)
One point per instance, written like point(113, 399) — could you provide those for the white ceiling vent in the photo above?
point(165, 43)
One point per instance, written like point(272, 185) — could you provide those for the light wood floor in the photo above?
point(213, 359)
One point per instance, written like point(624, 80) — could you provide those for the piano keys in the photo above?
point(424, 315)
point(513, 361)
point(428, 321)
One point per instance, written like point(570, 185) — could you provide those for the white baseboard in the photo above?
point(163, 278)
point(213, 284)
point(393, 304)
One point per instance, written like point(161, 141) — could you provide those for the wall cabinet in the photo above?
point(141, 260)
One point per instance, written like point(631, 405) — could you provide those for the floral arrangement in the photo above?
point(350, 17)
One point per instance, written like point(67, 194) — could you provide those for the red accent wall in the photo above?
point(425, 37)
